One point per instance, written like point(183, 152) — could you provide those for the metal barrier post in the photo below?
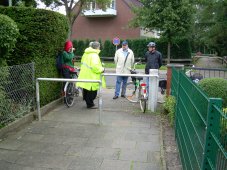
point(100, 100)
point(61, 80)
point(38, 99)
point(153, 90)
point(149, 95)
point(153, 83)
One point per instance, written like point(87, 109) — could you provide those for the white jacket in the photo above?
point(119, 60)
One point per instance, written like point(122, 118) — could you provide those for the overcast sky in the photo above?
point(59, 9)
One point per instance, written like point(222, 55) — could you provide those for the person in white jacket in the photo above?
point(124, 60)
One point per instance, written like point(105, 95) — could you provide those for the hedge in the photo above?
point(169, 106)
point(180, 49)
point(215, 87)
point(9, 33)
point(42, 35)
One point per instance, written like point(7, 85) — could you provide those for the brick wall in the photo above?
point(106, 27)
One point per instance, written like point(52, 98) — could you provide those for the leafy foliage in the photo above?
point(9, 33)
point(211, 25)
point(169, 106)
point(172, 19)
point(180, 49)
point(42, 35)
point(28, 3)
point(215, 87)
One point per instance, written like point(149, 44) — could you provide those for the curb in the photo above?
point(21, 122)
point(162, 152)
point(49, 107)
point(16, 125)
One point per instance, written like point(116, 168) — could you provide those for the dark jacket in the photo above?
point(153, 60)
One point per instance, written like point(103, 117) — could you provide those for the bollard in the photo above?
point(153, 90)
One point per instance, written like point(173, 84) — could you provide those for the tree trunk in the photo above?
point(70, 31)
point(10, 2)
point(168, 53)
point(72, 13)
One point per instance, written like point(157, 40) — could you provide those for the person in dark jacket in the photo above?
point(153, 59)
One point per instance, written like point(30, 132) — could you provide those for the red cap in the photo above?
point(68, 46)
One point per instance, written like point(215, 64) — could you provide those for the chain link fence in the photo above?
point(17, 92)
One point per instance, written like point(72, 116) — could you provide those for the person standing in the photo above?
point(68, 59)
point(124, 60)
point(153, 59)
point(91, 69)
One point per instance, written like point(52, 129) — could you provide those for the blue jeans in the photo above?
point(123, 80)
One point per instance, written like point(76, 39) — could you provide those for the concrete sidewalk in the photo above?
point(70, 138)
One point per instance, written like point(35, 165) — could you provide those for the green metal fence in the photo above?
point(200, 126)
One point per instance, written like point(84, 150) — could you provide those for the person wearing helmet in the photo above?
point(153, 59)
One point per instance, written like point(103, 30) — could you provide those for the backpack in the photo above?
point(59, 62)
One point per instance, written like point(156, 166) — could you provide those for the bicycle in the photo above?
point(136, 90)
point(193, 75)
point(70, 90)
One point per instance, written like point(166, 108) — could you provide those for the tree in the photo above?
point(28, 3)
point(74, 7)
point(211, 25)
point(173, 18)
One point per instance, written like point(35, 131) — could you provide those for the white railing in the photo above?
point(152, 97)
point(65, 80)
point(153, 86)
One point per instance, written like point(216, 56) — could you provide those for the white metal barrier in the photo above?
point(66, 80)
point(153, 88)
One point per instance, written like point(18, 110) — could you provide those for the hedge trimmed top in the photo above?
point(41, 32)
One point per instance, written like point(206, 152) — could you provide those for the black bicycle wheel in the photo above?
point(143, 103)
point(132, 92)
point(69, 96)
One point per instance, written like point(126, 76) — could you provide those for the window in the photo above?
point(113, 4)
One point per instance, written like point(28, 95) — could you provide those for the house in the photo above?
point(96, 24)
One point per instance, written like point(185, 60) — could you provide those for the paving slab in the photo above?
point(72, 139)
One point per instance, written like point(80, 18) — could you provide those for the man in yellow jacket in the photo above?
point(91, 69)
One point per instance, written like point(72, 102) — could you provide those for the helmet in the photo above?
point(151, 44)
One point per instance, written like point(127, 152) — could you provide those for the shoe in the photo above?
point(123, 96)
point(93, 107)
point(115, 97)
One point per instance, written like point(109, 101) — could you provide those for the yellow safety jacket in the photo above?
point(91, 69)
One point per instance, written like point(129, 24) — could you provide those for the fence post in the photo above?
point(212, 126)
point(153, 90)
point(100, 99)
point(169, 75)
point(38, 99)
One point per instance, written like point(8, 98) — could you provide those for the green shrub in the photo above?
point(180, 49)
point(225, 110)
point(169, 106)
point(108, 49)
point(215, 87)
point(9, 33)
point(42, 34)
